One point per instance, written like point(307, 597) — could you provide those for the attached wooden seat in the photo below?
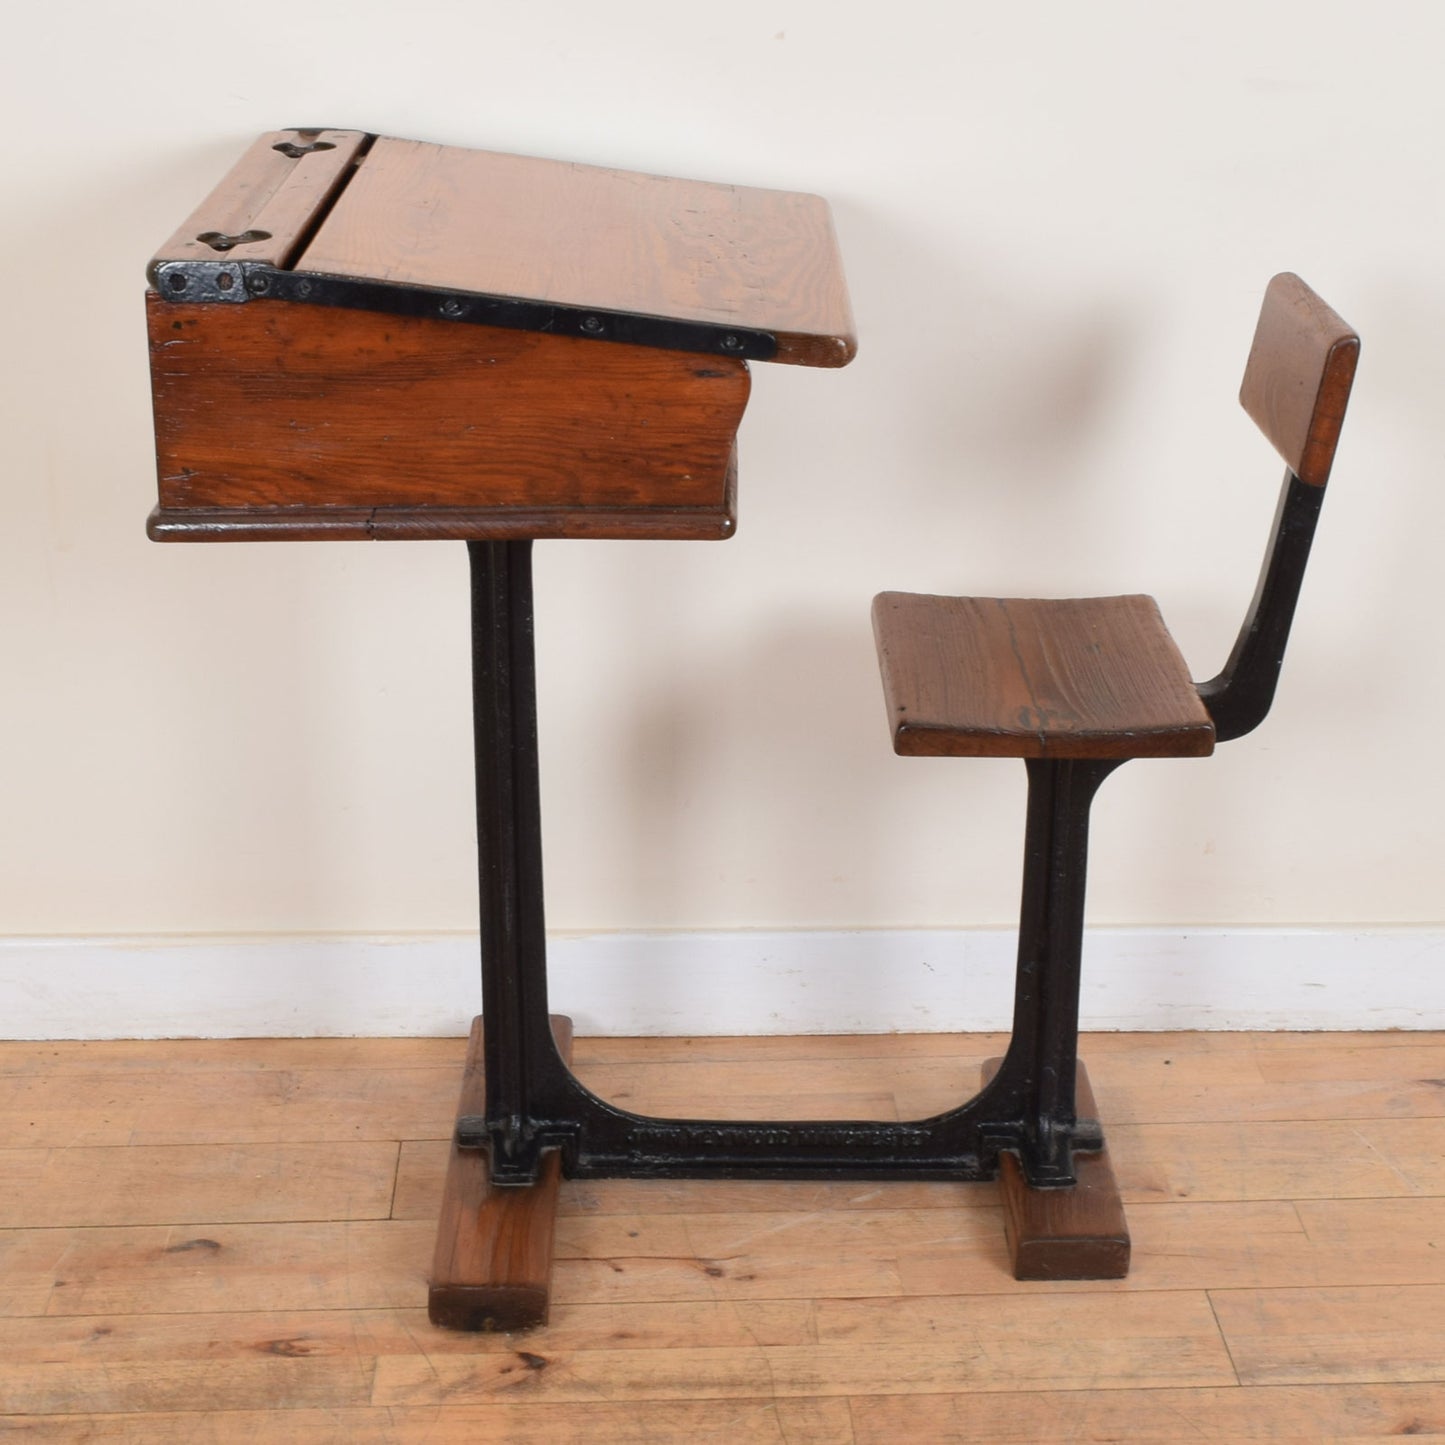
point(1075, 688)
point(996, 677)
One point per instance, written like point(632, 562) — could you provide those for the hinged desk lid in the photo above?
point(340, 218)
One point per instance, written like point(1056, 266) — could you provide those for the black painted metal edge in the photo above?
point(237, 281)
point(422, 523)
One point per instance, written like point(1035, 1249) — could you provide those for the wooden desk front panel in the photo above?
point(272, 404)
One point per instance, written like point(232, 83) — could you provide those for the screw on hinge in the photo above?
point(219, 241)
point(452, 307)
point(258, 285)
point(594, 325)
point(512, 1133)
point(295, 152)
point(731, 343)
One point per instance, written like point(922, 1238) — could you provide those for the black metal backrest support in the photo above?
point(1296, 387)
point(1240, 696)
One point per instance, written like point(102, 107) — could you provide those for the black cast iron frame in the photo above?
point(533, 1101)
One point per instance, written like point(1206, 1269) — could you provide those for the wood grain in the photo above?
point(1077, 1233)
point(204, 1266)
point(498, 1422)
point(1335, 1336)
point(493, 1264)
point(149, 1185)
point(368, 1333)
point(270, 192)
point(586, 236)
point(1293, 1159)
point(743, 1310)
point(282, 405)
point(1175, 1340)
point(296, 1106)
point(243, 1359)
point(861, 1346)
point(115, 1058)
point(1265, 1244)
point(1144, 1416)
point(1169, 1079)
point(1095, 677)
point(1298, 377)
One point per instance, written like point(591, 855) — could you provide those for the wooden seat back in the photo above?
point(1296, 386)
point(1297, 381)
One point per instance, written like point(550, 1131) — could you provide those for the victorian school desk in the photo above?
point(360, 337)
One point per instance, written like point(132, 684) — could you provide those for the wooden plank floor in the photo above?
point(218, 1241)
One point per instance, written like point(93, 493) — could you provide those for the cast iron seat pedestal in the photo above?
point(1076, 687)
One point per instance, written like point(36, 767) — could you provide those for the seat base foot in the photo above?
point(1074, 1233)
point(493, 1264)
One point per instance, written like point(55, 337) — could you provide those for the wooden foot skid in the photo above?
point(493, 1264)
point(1077, 1233)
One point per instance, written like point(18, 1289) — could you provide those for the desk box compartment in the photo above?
point(361, 337)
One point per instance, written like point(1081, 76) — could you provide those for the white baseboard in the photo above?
point(717, 983)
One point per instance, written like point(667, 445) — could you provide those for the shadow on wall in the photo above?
point(834, 840)
point(775, 715)
point(752, 759)
point(782, 802)
point(1394, 514)
point(169, 711)
point(1005, 380)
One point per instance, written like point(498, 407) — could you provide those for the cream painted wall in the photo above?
point(1058, 220)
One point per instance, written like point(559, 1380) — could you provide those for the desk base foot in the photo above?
point(493, 1264)
point(1077, 1233)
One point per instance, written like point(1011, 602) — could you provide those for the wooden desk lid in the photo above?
point(341, 218)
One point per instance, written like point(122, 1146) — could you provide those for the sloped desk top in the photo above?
point(407, 227)
point(366, 337)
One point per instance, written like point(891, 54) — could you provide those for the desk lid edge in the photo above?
point(249, 241)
